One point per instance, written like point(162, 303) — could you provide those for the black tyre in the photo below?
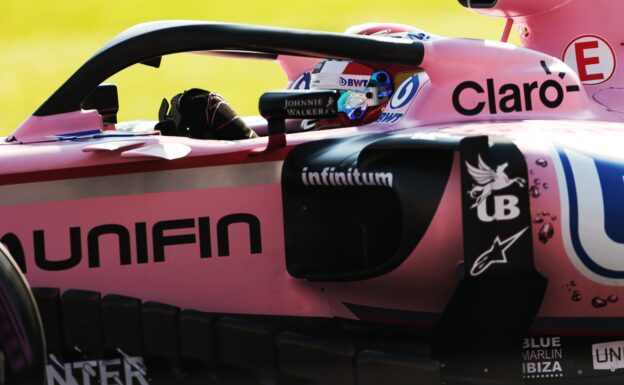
point(22, 347)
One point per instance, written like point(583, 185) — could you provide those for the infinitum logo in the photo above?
point(351, 177)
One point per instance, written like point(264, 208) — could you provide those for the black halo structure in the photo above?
point(146, 43)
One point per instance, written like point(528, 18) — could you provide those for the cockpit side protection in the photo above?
point(356, 208)
point(496, 301)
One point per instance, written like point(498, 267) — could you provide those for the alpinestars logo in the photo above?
point(488, 181)
point(495, 254)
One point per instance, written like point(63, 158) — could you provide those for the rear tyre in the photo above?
point(22, 347)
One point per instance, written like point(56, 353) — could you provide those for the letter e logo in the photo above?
point(592, 58)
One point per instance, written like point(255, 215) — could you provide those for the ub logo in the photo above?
point(489, 181)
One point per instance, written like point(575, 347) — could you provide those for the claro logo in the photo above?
point(511, 97)
point(195, 231)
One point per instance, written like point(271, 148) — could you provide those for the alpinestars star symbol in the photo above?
point(495, 254)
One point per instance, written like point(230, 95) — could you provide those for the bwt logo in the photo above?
point(389, 117)
point(349, 82)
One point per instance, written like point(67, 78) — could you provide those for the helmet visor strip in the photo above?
point(354, 103)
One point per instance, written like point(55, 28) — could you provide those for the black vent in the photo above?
point(478, 3)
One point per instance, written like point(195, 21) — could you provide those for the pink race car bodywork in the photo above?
point(226, 180)
point(199, 223)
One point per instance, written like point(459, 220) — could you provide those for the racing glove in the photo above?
point(200, 114)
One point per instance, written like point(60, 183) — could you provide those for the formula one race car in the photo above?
point(414, 209)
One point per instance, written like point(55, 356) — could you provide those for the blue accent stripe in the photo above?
point(574, 224)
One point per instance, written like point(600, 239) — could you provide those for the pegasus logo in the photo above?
point(495, 254)
point(487, 182)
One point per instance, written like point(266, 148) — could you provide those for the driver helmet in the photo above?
point(365, 88)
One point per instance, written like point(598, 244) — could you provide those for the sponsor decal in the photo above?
point(405, 93)
point(499, 278)
point(608, 356)
point(592, 57)
point(410, 83)
point(329, 176)
point(509, 97)
point(421, 36)
point(497, 242)
point(309, 107)
point(418, 36)
point(495, 254)
point(198, 231)
point(389, 117)
point(542, 357)
point(302, 82)
point(592, 213)
point(120, 371)
point(487, 182)
point(353, 81)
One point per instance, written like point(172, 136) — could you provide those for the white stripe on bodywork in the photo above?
point(249, 174)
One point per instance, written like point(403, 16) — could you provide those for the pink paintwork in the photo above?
point(537, 140)
point(295, 66)
point(56, 185)
point(222, 284)
point(550, 26)
point(514, 65)
point(519, 8)
point(38, 128)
